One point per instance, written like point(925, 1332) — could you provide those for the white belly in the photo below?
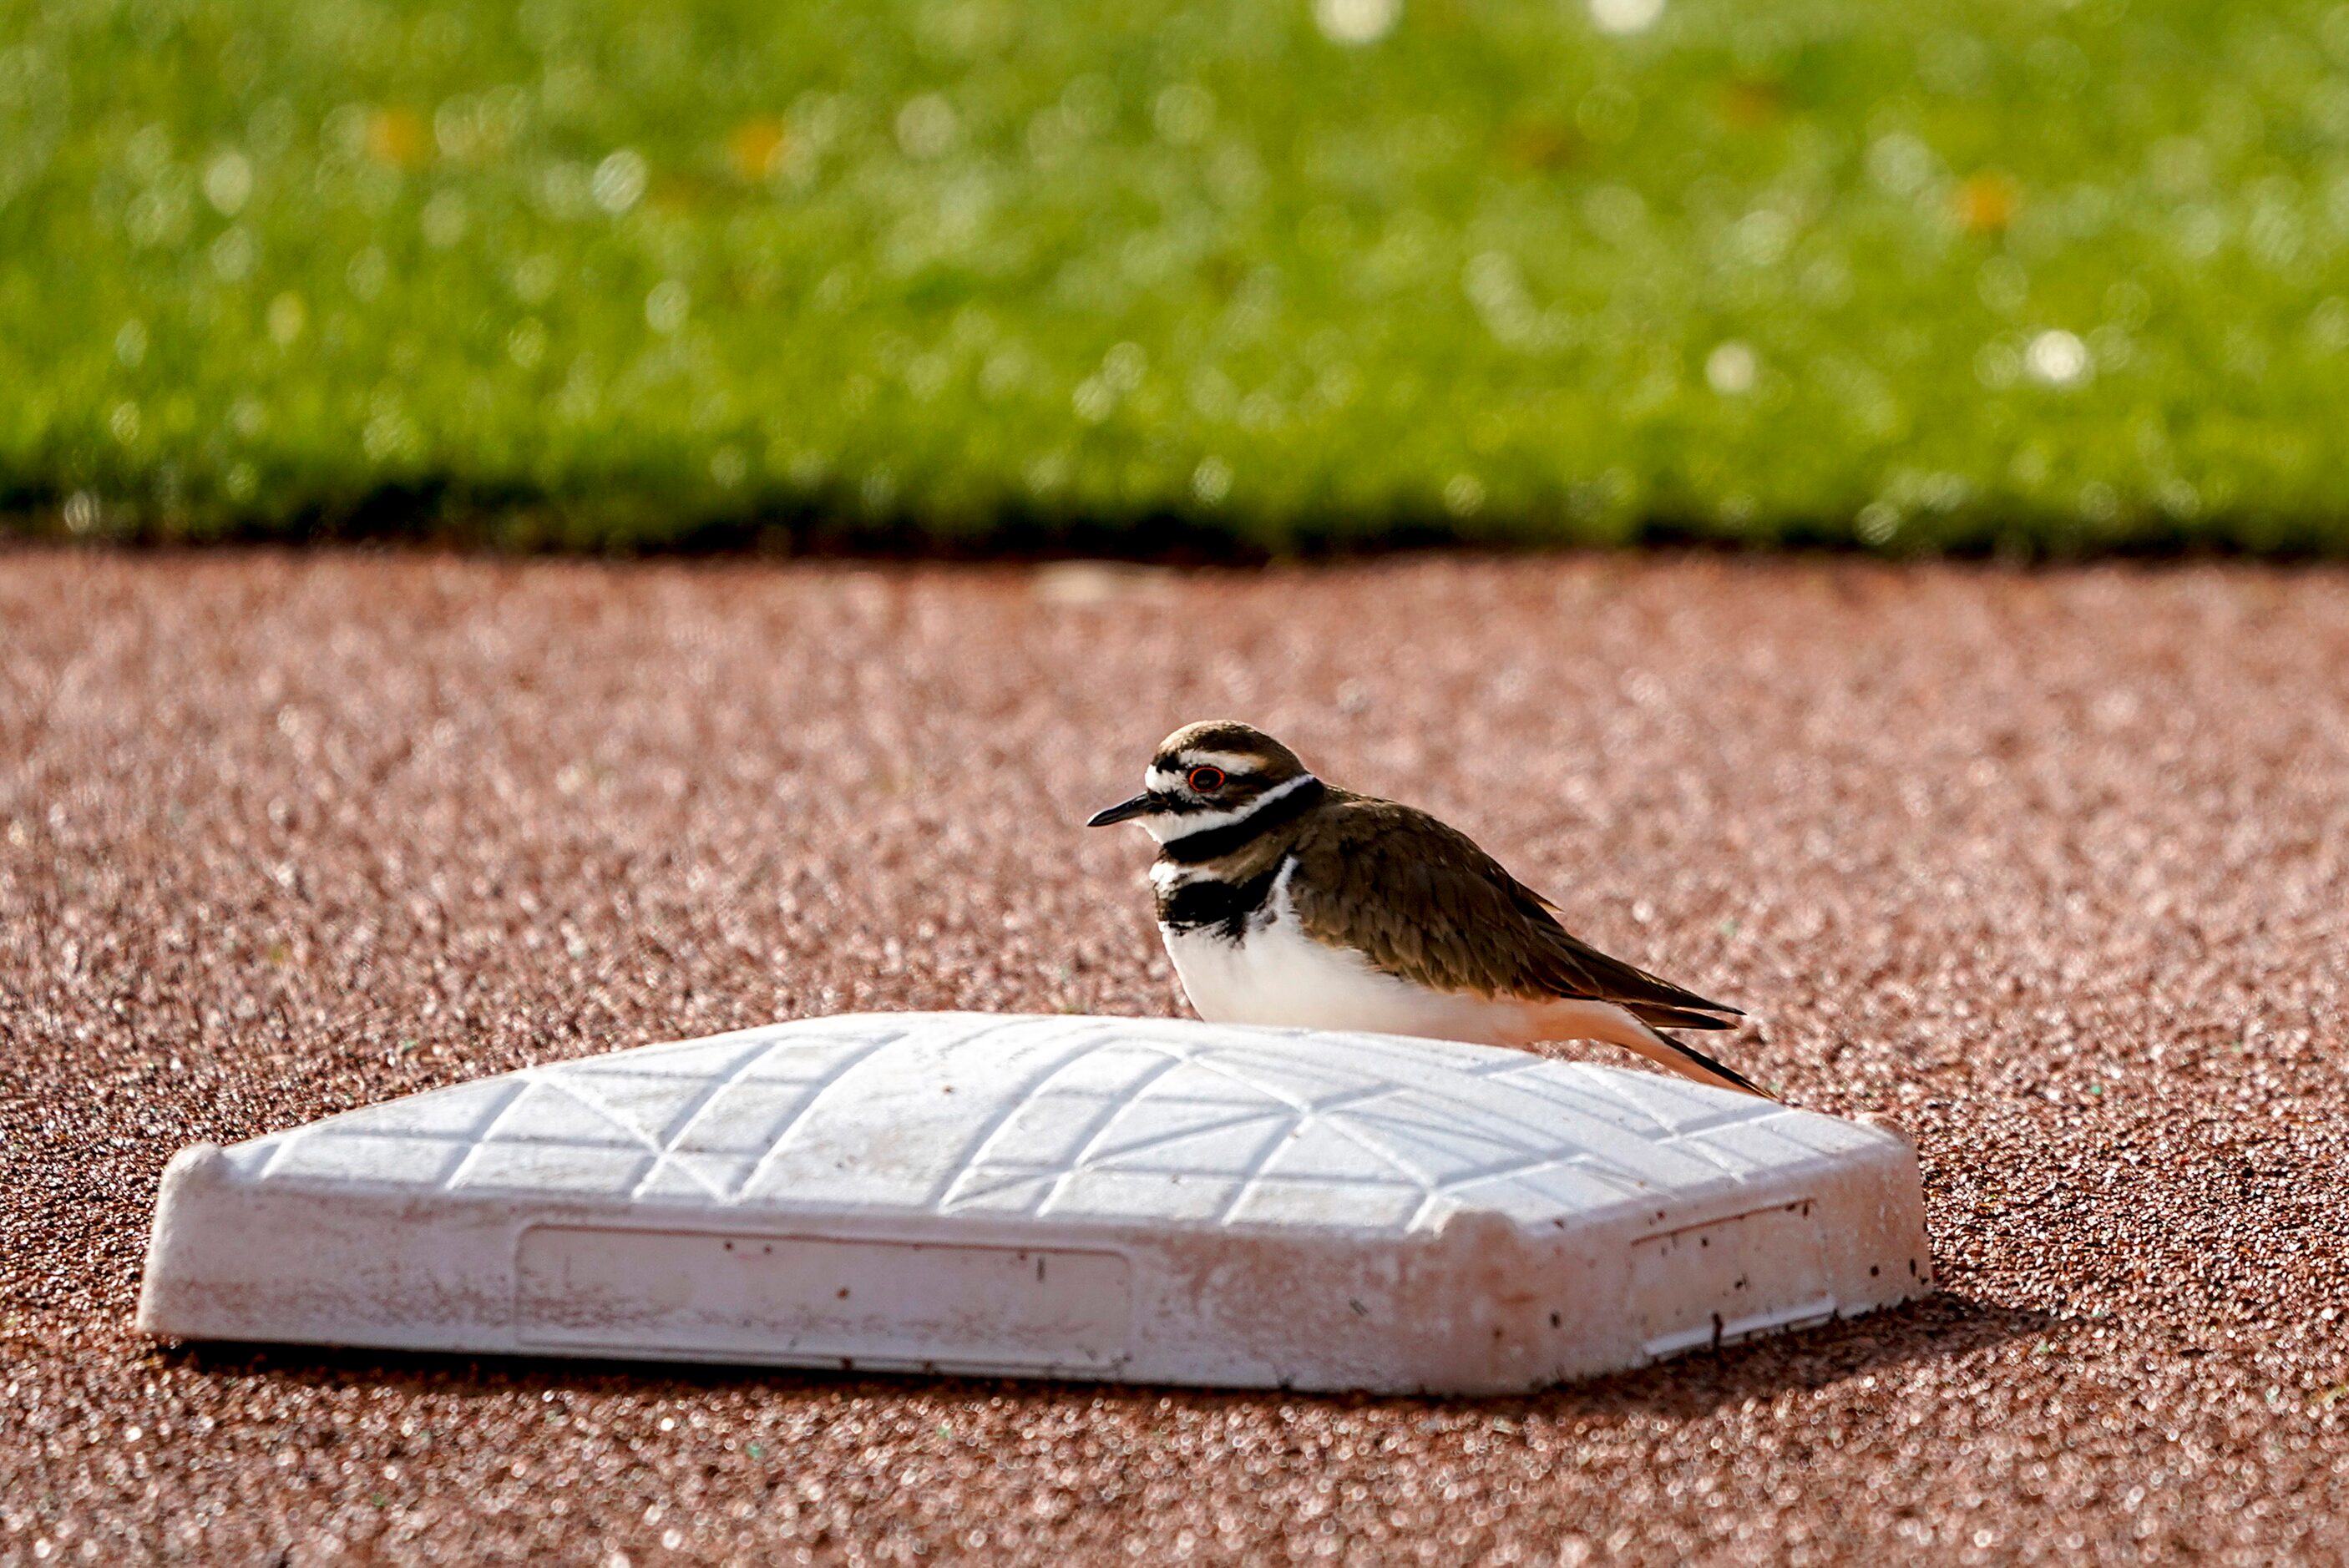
point(1277, 974)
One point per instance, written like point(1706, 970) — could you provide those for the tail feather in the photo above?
point(1619, 1026)
point(1695, 1064)
point(1662, 1017)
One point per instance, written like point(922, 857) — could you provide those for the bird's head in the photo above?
point(1204, 775)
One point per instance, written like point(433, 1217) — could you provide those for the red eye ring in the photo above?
point(1207, 780)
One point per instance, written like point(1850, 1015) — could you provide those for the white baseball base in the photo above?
point(1135, 1198)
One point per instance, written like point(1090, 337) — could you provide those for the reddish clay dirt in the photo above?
point(2050, 868)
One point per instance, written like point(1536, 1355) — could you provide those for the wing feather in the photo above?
point(1423, 902)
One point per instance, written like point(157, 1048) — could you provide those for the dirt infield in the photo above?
point(2053, 869)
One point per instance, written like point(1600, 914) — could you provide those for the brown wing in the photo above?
point(1423, 902)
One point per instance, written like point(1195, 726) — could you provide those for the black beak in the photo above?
point(1142, 805)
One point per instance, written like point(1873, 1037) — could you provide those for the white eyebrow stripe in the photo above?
point(1229, 762)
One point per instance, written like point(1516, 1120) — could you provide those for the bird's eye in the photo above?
point(1207, 780)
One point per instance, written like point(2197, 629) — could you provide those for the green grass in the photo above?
point(1927, 275)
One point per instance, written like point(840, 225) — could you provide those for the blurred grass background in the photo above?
point(2037, 276)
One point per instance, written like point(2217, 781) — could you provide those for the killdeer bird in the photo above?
point(1283, 900)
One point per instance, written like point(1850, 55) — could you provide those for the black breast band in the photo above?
point(1221, 906)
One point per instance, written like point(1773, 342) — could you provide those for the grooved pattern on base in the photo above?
point(1068, 1118)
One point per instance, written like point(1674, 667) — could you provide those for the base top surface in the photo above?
point(1071, 1120)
